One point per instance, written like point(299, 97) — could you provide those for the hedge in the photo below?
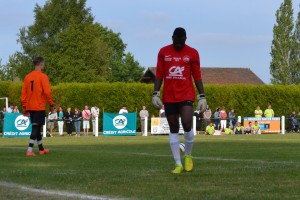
point(111, 96)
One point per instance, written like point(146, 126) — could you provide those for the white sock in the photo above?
point(189, 141)
point(174, 143)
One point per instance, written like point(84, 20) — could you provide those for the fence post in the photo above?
point(96, 126)
point(194, 125)
point(282, 124)
point(240, 119)
point(146, 126)
point(44, 128)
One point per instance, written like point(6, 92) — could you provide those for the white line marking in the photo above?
point(53, 192)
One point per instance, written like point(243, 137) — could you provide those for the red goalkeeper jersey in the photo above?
point(177, 69)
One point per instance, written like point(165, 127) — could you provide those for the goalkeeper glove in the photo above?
point(156, 102)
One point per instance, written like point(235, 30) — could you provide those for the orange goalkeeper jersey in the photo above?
point(35, 91)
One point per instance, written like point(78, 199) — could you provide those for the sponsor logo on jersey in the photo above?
point(168, 58)
point(176, 59)
point(176, 71)
point(186, 59)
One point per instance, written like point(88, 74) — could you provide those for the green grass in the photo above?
point(225, 167)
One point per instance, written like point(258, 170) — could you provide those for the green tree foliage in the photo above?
point(295, 57)
point(282, 67)
point(75, 48)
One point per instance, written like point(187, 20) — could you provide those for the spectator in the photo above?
point(143, 113)
point(60, 121)
point(197, 114)
point(77, 121)
point(258, 112)
point(231, 116)
point(123, 110)
point(69, 121)
point(248, 129)
point(269, 112)
point(256, 128)
point(52, 116)
point(223, 116)
point(15, 110)
point(217, 118)
point(206, 116)
point(10, 108)
point(95, 113)
point(2, 113)
point(228, 131)
point(162, 111)
point(210, 129)
point(239, 129)
point(86, 116)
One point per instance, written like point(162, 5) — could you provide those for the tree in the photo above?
point(74, 47)
point(295, 54)
point(281, 66)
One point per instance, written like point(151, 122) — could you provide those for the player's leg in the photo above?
point(186, 113)
point(172, 115)
point(32, 138)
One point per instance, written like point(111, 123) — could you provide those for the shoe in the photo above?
point(45, 151)
point(178, 169)
point(29, 154)
point(188, 163)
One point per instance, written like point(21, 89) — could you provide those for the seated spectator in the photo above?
point(15, 110)
point(228, 131)
point(210, 129)
point(239, 129)
point(10, 108)
point(256, 128)
point(248, 129)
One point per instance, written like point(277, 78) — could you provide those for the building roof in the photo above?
point(216, 75)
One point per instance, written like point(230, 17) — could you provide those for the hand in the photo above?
point(202, 103)
point(156, 102)
point(25, 112)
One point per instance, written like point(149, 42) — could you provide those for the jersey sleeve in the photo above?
point(160, 65)
point(196, 72)
point(47, 89)
point(24, 93)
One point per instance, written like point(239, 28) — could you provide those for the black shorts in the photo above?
point(174, 108)
point(37, 117)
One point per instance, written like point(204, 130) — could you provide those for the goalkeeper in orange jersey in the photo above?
point(36, 91)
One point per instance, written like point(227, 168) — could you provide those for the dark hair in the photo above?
point(37, 60)
point(179, 32)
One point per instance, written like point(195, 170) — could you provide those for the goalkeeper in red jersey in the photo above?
point(35, 91)
point(177, 66)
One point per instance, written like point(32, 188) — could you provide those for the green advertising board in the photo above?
point(119, 124)
point(16, 125)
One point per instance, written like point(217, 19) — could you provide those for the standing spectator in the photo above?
point(123, 110)
point(256, 128)
point(197, 114)
point(60, 121)
point(269, 112)
point(35, 91)
point(143, 113)
point(69, 121)
point(210, 129)
point(258, 112)
point(231, 116)
point(15, 110)
point(239, 129)
point(223, 116)
point(248, 129)
point(162, 111)
point(10, 108)
point(95, 113)
point(217, 118)
point(2, 114)
point(77, 121)
point(52, 116)
point(86, 116)
point(206, 116)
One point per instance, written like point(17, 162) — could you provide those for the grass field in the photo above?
point(225, 167)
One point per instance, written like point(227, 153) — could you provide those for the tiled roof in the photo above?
point(216, 75)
